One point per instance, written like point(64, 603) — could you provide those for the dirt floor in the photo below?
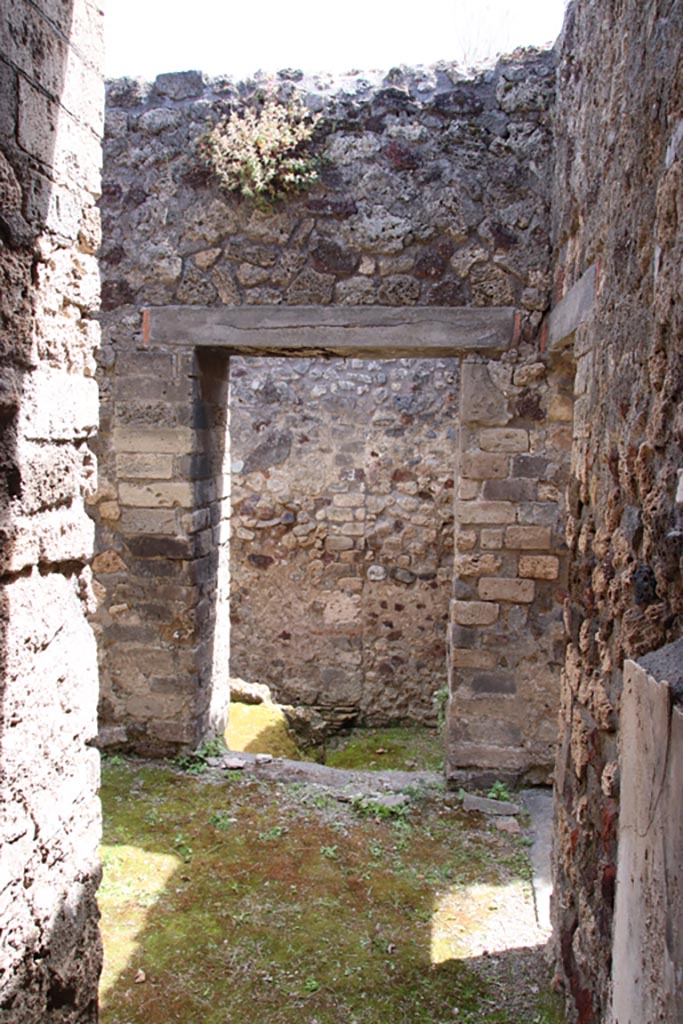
point(287, 894)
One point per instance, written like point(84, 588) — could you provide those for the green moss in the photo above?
point(287, 912)
point(399, 748)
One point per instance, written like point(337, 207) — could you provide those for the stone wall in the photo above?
point(434, 190)
point(342, 538)
point(50, 130)
point(617, 214)
point(433, 194)
point(507, 638)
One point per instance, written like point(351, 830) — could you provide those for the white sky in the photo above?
point(146, 37)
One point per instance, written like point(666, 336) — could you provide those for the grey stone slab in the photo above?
point(673, 871)
point(646, 953)
point(573, 310)
point(539, 803)
point(484, 805)
point(372, 331)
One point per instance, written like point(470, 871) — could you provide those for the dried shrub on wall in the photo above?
point(261, 152)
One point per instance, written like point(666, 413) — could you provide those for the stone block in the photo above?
point(491, 540)
point(499, 589)
point(348, 500)
point(334, 515)
point(486, 512)
point(539, 567)
point(148, 520)
point(353, 529)
point(561, 408)
point(54, 137)
point(504, 439)
point(481, 401)
point(163, 546)
point(538, 513)
point(179, 85)
point(477, 565)
point(164, 440)
point(56, 535)
point(528, 537)
point(157, 495)
point(107, 562)
point(468, 490)
point(485, 805)
point(531, 466)
point(143, 414)
point(176, 733)
point(131, 466)
point(154, 388)
point(311, 288)
point(648, 960)
point(498, 758)
point(463, 657)
point(50, 63)
point(75, 415)
point(110, 510)
point(10, 94)
point(465, 540)
point(478, 465)
point(338, 543)
point(474, 613)
point(510, 490)
point(142, 363)
point(494, 683)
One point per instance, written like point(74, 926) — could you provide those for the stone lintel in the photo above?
point(573, 310)
point(360, 331)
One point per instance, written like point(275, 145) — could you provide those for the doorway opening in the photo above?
point(341, 533)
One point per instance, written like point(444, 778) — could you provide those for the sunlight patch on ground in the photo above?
point(259, 729)
point(133, 881)
point(473, 919)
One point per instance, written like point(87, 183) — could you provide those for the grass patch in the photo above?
point(401, 748)
point(235, 900)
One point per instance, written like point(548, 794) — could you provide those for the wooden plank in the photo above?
point(366, 331)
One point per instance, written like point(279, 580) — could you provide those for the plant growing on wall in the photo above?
point(262, 152)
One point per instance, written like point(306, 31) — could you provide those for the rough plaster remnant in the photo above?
point(50, 123)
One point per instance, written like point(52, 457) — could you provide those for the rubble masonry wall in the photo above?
point(617, 204)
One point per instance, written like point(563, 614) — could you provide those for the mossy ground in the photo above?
point(263, 729)
point(401, 748)
point(226, 898)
